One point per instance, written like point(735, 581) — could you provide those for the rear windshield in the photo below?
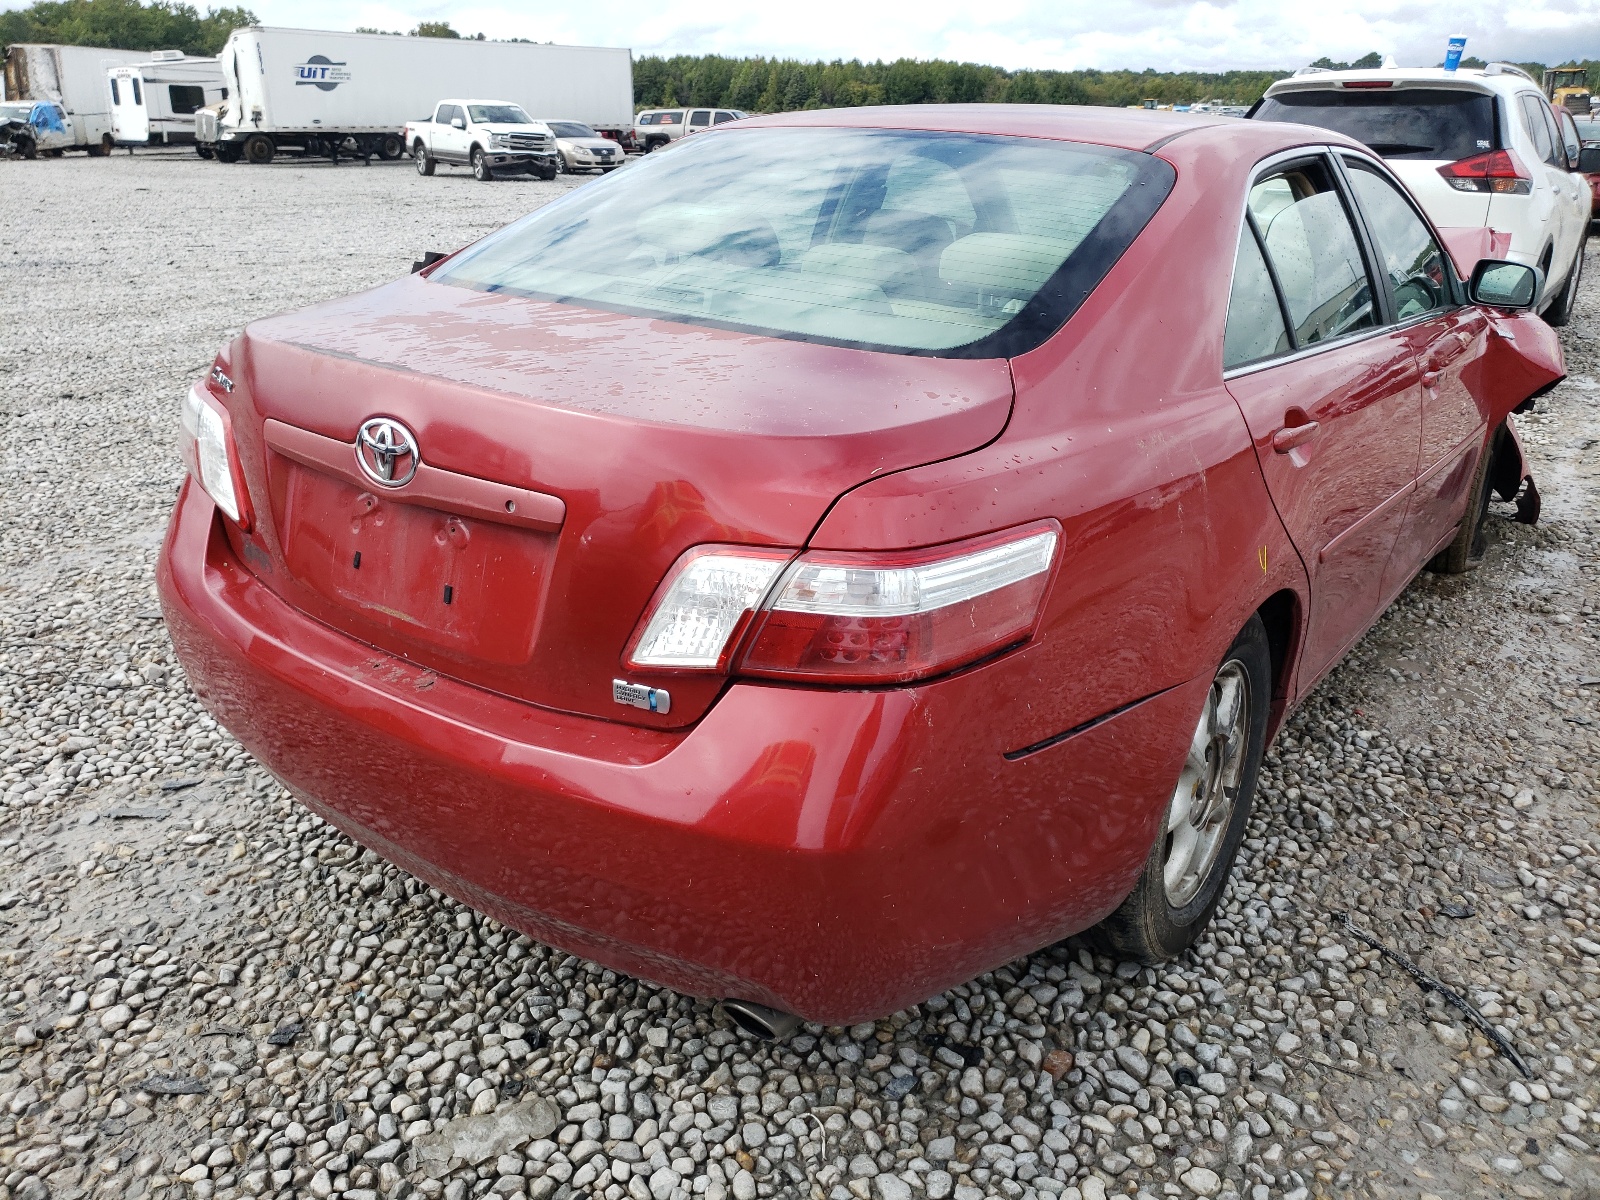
point(570, 129)
point(1430, 123)
point(914, 242)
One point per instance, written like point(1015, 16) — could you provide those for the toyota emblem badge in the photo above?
point(387, 452)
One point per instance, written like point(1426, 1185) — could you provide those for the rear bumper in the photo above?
point(841, 855)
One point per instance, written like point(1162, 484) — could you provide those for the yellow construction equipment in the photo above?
point(1568, 88)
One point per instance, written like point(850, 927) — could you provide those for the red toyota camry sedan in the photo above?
point(854, 549)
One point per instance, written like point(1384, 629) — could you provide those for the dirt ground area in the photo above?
point(205, 991)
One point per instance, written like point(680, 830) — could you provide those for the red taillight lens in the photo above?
point(893, 618)
point(1497, 171)
point(211, 456)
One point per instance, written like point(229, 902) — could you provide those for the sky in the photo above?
point(1016, 34)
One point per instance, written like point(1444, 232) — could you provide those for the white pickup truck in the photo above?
point(490, 136)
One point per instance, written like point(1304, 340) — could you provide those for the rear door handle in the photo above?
point(1290, 436)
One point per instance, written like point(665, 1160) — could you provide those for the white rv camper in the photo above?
point(73, 77)
point(154, 102)
point(314, 91)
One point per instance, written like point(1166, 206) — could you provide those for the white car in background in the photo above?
point(579, 148)
point(656, 127)
point(1476, 148)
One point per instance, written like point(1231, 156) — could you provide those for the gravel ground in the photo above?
point(206, 991)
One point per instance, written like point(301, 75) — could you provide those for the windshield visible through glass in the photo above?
point(1446, 124)
point(910, 241)
point(570, 129)
point(498, 114)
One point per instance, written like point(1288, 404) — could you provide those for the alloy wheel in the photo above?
point(1208, 788)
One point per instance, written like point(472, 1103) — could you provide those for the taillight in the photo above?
point(211, 456)
point(834, 617)
point(703, 606)
point(1497, 171)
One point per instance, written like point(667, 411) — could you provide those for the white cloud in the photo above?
point(1164, 34)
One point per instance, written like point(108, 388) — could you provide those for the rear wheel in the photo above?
point(259, 149)
point(481, 170)
point(1188, 867)
point(390, 146)
point(425, 162)
point(1559, 313)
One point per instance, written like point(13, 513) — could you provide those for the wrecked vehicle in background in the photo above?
point(27, 127)
point(936, 593)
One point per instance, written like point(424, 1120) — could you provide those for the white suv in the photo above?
point(1476, 148)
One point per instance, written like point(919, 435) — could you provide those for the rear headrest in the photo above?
point(1013, 263)
point(882, 266)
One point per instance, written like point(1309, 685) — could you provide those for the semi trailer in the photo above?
point(319, 92)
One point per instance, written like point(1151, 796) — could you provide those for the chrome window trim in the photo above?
point(1327, 151)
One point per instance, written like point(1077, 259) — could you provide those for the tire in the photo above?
point(425, 161)
point(1170, 906)
point(547, 174)
point(390, 147)
point(1559, 313)
point(561, 164)
point(481, 171)
point(259, 149)
point(27, 148)
point(204, 151)
point(1466, 552)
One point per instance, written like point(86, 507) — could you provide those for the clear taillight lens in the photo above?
point(894, 618)
point(209, 452)
point(834, 617)
point(705, 602)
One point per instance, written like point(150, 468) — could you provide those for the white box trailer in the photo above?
point(318, 91)
point(153, 103)
point(73, 77)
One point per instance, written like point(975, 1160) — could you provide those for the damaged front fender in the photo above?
point(1509, 475)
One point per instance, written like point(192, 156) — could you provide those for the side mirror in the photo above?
point(457, 123)
point(1589, 160)
point(1505, 284)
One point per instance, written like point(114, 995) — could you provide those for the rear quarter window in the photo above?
point(1444, 124)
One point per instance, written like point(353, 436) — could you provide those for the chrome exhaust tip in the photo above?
point(757, 1020)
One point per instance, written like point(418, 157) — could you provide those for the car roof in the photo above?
point(1127, 129)
point(1496, 79)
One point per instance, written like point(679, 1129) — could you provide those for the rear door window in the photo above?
point(1439, 124)
point(1536, 120)
point(1412, 258)
point(137, 98)
point(723, 118)
point(699, 118)
point(116, 97)
point(1314, 252)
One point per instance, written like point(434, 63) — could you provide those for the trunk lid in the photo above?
point(569, 457)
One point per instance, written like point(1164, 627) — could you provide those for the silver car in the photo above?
point(579, 148)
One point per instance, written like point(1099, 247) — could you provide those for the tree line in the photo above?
point(124, 24)
point(786, 84)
